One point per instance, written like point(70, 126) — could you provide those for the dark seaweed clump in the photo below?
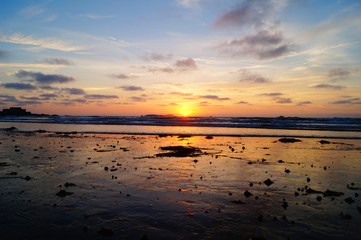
point(289, 140)
point(179, 151)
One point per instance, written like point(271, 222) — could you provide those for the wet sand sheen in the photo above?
point(169, 187)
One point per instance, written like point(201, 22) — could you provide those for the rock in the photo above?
point(27, 178)
point(349, 200)
point(329, 193)
point(247, 194)
point(324, 142)
point(179, 151)
point(289, 140)
point(238, 202)
point(312, 191)
point(63, 193)
point(287, 171)
point(209, 137)
point(319, 198)
point(69, 184)
point(268, 182)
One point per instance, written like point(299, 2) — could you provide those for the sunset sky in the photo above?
point(185, 57)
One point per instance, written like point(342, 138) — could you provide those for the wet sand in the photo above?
point(86, 186)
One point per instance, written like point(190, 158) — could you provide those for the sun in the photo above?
point(184, 111)
point(185, 114)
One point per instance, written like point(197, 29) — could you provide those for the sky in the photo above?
point(183, 57)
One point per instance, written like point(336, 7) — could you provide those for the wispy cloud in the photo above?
point(19, 86)
point(242, 102)
point(50, 43)
point(338, 73)
point(247, 76)
point(263, 45)
point(138, 99)
point(349, 100)
point(328, 86)
point(44, 78)
point(7, 99)
point(304, 103)
point(186, 64)
point(275, 94)
point(214, 97)
point(181, 94)
point(156, 56)
point(256, 13)
point(57, 61)
point(48, 96)
point(74, 91)
point(97, 17)
point(131, 88)
point(99, 96)
point(123, 76)
point(182, 65)
point(282, 100)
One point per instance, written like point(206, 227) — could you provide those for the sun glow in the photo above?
point(185, 111)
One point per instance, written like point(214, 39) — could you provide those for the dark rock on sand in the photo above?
point(312, 191)
point(329, 193)
point(349, 200)
point(63, 193)
point(324, 142)
point(209, 137)
point(247, 194)
point(27, 178)
point(289, 140)
point(238, 202)
point(268, 182)
point(69, 184)
point(179, 151)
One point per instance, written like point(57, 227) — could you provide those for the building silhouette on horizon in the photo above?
point(15, 111)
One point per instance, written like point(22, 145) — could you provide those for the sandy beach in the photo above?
point(97, 186)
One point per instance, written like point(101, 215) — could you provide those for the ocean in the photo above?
point(171, 125)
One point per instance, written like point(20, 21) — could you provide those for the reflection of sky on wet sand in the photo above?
point(121, 185)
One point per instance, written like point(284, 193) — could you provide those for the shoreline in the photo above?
point(174, 130)
point(176, 135)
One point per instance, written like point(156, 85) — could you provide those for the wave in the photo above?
point(294, 123)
